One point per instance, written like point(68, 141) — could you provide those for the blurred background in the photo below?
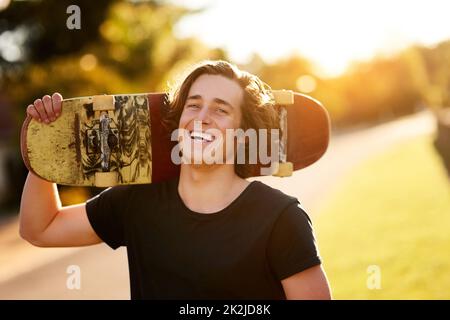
point(379, 198)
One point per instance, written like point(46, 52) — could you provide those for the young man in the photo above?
point(209, 234)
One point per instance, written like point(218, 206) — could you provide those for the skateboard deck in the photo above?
point(112, 140)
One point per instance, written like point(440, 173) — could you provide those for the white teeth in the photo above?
point(201, 136)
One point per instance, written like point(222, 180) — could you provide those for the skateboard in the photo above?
point(109, 140)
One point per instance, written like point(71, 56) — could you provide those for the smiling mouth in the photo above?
point(201, 136)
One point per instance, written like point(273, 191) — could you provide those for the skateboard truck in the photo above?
point(283, 97)
point(108, 141)
point(104, 139)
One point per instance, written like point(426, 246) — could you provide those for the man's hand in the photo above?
point(47, 109)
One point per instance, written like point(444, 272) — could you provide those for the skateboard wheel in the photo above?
point(103, 102)
point(285, 169)
point(270, 171)
point(105, 179)
point(283, 97)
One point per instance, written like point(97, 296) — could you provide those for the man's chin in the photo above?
point(199, 161)
point(206, 158)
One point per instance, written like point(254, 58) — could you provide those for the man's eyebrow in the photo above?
point(217, 100)
point(194, 97)
point(220, 101)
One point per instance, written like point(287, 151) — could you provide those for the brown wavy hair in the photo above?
point(258, 108)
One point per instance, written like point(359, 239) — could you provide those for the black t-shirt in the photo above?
point(240, 252)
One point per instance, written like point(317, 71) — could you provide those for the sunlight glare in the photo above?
point(330, 33)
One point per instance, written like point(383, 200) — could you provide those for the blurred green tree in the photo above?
point(437, 64)
point(38, 29)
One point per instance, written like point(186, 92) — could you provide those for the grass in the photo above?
point(392, 212)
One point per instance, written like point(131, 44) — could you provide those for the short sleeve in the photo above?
point(106, 213)
point(292, 245)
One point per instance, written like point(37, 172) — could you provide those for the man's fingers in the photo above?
point(57, 102)
point(47, 109)
point(40, 109)
point(48, 106)
point(31, 110)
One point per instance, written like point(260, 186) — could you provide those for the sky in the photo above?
point(330, 33)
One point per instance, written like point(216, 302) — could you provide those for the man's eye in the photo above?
point(193, 106)
point(222, 110)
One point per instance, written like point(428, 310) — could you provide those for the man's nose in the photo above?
point(203, 115)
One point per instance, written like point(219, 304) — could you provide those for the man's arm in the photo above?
point(43, 221)
point(310, 284)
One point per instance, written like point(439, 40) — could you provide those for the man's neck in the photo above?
point(208, 189)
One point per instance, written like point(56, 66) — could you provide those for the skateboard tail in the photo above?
point(50, 150)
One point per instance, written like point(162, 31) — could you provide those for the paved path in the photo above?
point(27, 272)
point(312, 184)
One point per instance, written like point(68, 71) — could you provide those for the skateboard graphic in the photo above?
point(109, 140)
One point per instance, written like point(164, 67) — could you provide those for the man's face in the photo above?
point(214, 102)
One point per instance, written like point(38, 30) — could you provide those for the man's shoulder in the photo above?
point(265, 196)
point(265, 204)
point(264, 190)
